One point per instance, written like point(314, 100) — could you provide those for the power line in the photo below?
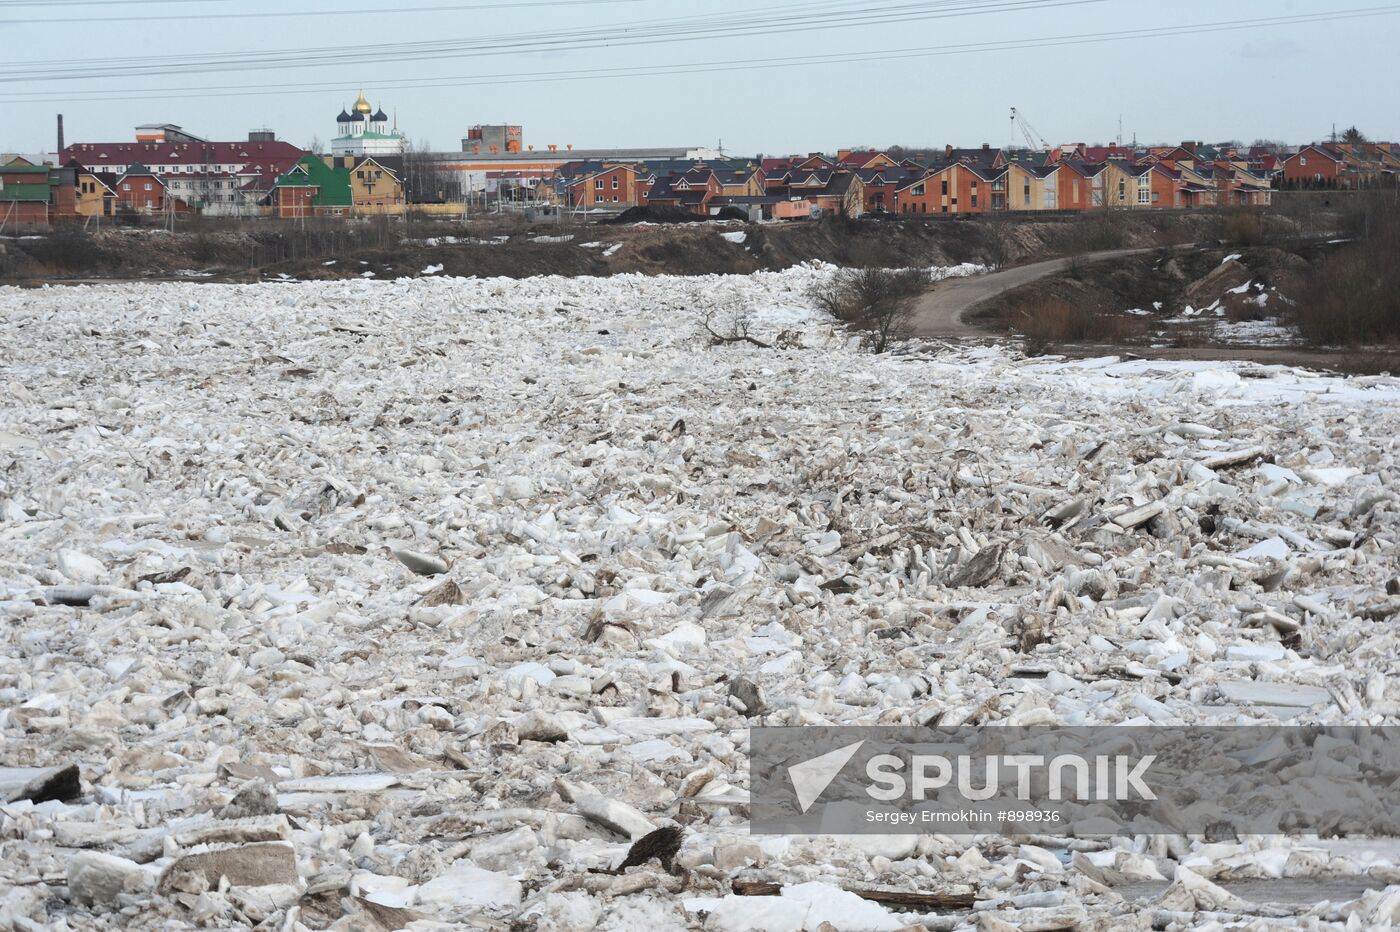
point(573, 39)
point(53, 3)
point(275, 14)
point(733, 65)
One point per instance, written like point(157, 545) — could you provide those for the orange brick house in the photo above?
point(607, 186)
point(1313, 166)
point(957, 188)
point(1073, 186)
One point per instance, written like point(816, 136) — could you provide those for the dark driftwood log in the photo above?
point(740, 335)
point(906, 899)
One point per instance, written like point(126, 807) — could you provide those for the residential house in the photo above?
point(141, 190)
point(1313, 166)
point(744, 181)
point(881, 184)
point(1117, 185)
point(812, 162)
point(1032, 187)
point(593, 185)
point(867, 159)
point(985, 158)
point(956, 188)
point(340, 186)
point(690, 190)
point(24, 194)
point(313, 187)
point(1074, 184)
point(377, 182)
point(1237, 185)
point(96, 193)
point(843, 196)
point(1368, 164)
point(1157, 186)
point(1195, 185)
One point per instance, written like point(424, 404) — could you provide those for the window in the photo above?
point(598, 184)
point(1026, 188)
point(614, 184)
point(918, 190)
point(974, 200)
point(945, 187)
point(614, 198)
point(1076, 190)
point(1303, 161)
point(1122, 189)
point(148, 186)
point(126, 187)
point(1145, 188)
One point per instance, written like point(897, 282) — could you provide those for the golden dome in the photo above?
point(362, 105)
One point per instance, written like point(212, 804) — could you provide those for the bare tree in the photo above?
point(425, 180)
point(1000, 244)
point(879, 302)
point(317, 147)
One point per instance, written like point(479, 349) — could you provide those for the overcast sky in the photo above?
point(1290, 82)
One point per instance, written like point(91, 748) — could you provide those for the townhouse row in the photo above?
point(167, 171)
point(961, 181)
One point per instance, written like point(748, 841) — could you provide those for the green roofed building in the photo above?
point(25, 194)
point(339, 186)
point(314, 187)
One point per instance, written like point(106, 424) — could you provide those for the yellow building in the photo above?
point(1029, 187)
point(94, 197)
point(373, 184)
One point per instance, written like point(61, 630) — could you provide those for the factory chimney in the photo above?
point(60, 136)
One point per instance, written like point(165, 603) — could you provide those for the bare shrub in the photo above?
point(1097, 231)
point(1054, 321)
point(999, 245)
point(879, 302)
point(1353, 297)
point(204, 248)
point(1243, 310)
point(68, 247)
point(1242, 227)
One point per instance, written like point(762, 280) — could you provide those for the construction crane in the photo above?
point(1033, 138)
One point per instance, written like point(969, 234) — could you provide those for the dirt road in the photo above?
point(941, 312)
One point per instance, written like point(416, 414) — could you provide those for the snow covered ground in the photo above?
point(407, 602)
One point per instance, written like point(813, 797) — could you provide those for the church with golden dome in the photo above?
point(363, 130)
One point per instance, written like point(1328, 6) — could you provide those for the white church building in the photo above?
point(361, 132)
